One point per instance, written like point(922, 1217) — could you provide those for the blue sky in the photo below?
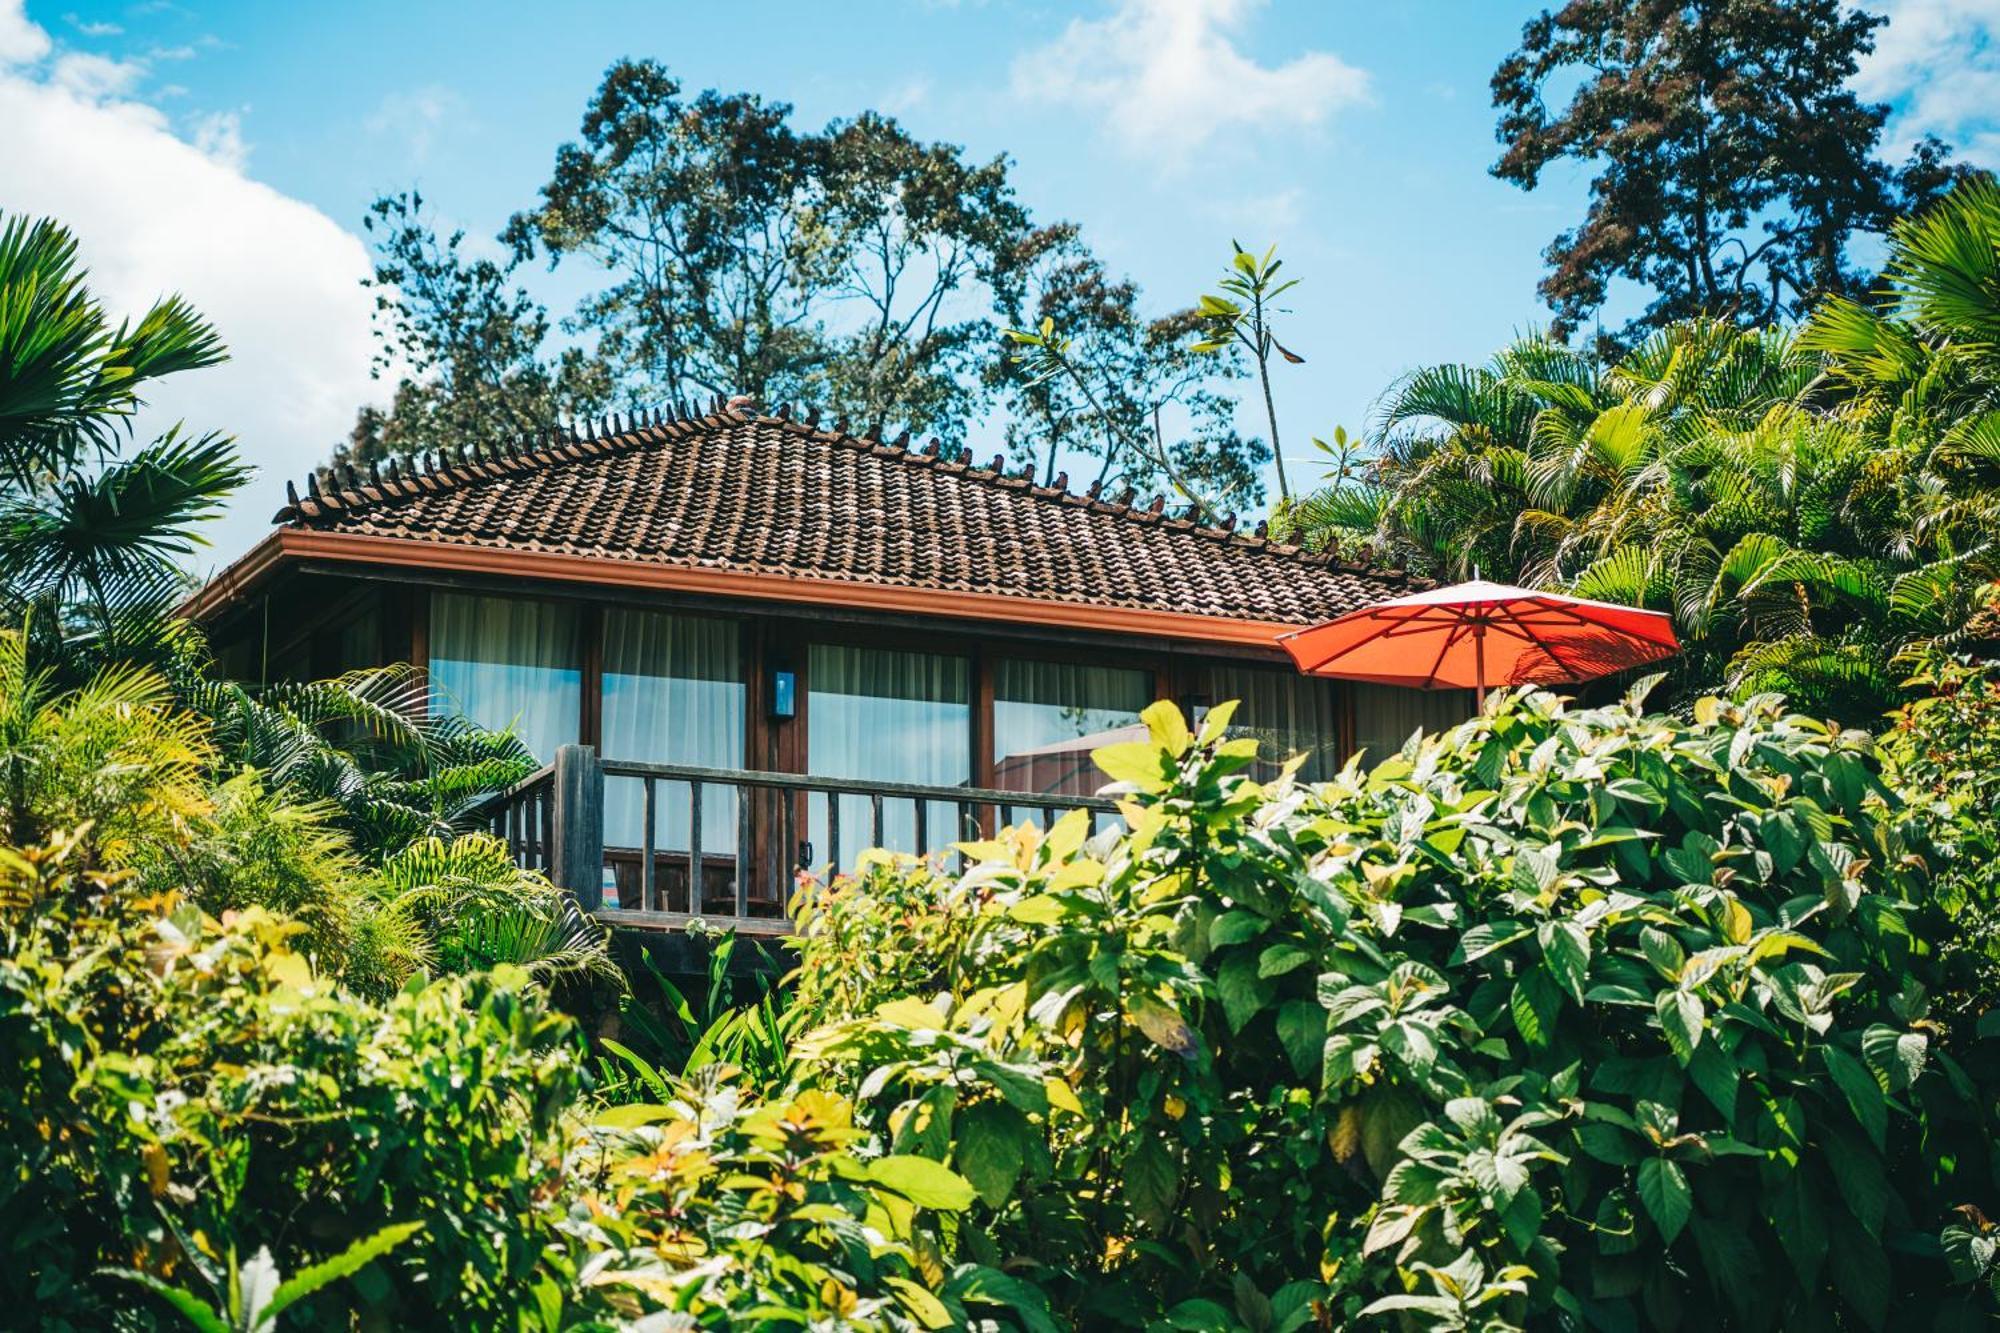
point(1355, 136)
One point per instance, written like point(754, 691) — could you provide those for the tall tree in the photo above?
point(466, 344)
point(850, 268)
point(1733, 165)
point(1088, 379)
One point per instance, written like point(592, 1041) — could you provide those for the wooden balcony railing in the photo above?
point(737, 872)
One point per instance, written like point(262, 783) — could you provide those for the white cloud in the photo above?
point(1167, 75)
point(1937, 62)
point(417, 117)
point(156, 212)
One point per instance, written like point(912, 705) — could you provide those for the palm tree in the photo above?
point(90, 528)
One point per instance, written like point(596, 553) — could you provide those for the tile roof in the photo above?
point(751, 493)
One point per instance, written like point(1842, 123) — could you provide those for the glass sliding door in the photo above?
point(674, 693)
point(1288, 714)
point(510, 665)
point(1049, 716)
point(886, 715)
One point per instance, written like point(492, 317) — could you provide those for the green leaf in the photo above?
point(1242, 990)
point(1167, 727)
point(1136, 763)
point(927, 1308)
point(1861, 1274)
point(1897, 1056)
point(1863, 1093)
point(1149, 1182)
point(1566, 951)
point(1302, 1032)
point(345, 1264)
point(991, 1148)
point(1234, 927)
point(632, 1115)
point(926, 1183)
point(1663, 1189)
point(190, 1308)
point(1279, 959)
point(1681, 1019)
point(1535, 1004)
point(1714, 1071)
point(1798, 1216)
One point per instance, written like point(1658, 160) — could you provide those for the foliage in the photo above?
point(178, 1091)
point(1806, 539)
point(90, 529)
point(660, 1026)
point(256, 1293)
point(734, 1213)
point(1561, 1018)
point(1732, 165)
point(1941, 751)
point(395, 762)
point(477, 910)
point(1241, 316)
point(467, 345)
point(1085, 376)
point(748, 257)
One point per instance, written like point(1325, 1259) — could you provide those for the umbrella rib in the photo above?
point(1536, 639)
point(1581, 619)
point(1393, 622)
point(1457, 630)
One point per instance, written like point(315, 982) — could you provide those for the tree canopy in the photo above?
point(1732, 165)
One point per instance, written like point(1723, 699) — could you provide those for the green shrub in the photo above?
point(1571, 1018)
point(174, 1091)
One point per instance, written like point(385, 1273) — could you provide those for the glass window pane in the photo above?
point(1287, 713)
point(1385, 715)
point(510, 665)
point(1049, 716)
point(673, 694)
point(893, 716)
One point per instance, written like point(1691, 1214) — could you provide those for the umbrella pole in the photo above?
point(1479, 663)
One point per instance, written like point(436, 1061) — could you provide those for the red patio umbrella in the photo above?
point(1472, 635)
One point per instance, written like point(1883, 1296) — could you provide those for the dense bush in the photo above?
point(1573, 1018)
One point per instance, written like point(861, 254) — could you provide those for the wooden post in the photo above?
point(578, 862)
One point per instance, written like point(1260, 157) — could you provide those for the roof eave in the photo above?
point(290, 545)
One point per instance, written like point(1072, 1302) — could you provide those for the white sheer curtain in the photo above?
point(1385, 715)
point(1287, 713)
point(509, 664)
point(673, 694)
point(890, 715)
point(1049, 716)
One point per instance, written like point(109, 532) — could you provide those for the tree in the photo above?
point(90, 529)
point(1090, 379)
point(849, 269)
point(466, 345)
point(1241, 316)
point(1733, 165)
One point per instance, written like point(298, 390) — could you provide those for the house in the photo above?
point(783, 642)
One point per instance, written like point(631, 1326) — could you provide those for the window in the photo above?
point(1385, 715)
point(1287, 713)
point(890, 716)
point(673, 694)
point(509, 665)
point(1049, 716)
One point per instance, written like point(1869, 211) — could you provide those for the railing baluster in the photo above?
point(695, 894)
point(923, 812)
point(547, 797)
point(875, 816)
point(743, 852)
point(649, 889)
point(833, 832)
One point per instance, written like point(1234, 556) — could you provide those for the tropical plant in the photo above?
point(256, 1293)
point(90, 529)
point(477, 909)
point(1241, 316)
point(661, 1028)
point(1562, 1017)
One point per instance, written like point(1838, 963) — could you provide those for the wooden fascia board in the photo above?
point(618, 572)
